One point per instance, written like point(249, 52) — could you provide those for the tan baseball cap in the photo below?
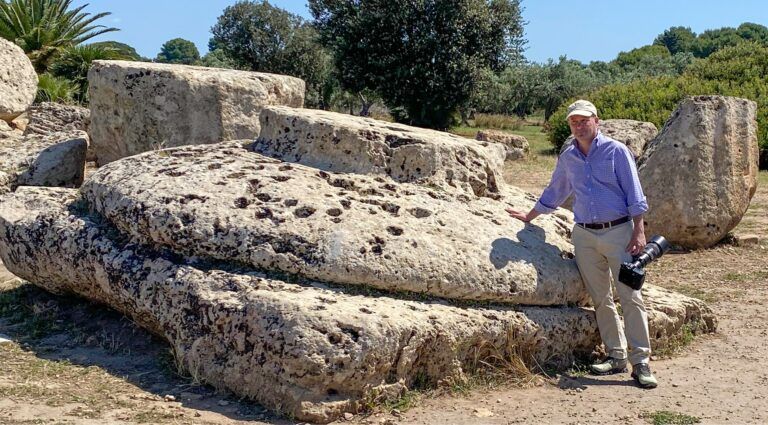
point(581, 107)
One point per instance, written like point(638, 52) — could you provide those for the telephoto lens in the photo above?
point(632, 274)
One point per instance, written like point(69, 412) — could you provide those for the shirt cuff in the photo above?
point(638, 208)
point(543, 209)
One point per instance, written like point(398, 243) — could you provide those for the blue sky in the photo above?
point(587, 31)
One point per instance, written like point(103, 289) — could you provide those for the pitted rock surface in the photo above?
point(140, 106)
point(700, 173)
point(517, 146)
point(18, 81)
point(306, 350)
point(346, 144)
point(310, 350)
point(57, 159)
point(47, 118)
point(228, 203)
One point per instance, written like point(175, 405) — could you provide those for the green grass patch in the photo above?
point(745, 277)
point(408, 400)
point(578, 370)
point(666, 417)
point(497, 121)
point(677, 343)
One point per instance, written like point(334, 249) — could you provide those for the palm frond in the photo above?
point(43, 28)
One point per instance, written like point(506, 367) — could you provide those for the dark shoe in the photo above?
point(642, 374)
point(609, 366)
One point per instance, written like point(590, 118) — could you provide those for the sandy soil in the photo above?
point(72, 362)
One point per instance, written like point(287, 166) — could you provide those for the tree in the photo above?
point(635, 57)
point(753, 32)
point(128, 52)
point(218, 59)
point(677, 39)
point(425, 57)
point(260, 37)
point(179, 51)
point(561, 81)
point(42, 28)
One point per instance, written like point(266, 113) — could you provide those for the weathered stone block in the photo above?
point(139, 106)
point(226, 202)
point(57, 159)
point(18, 81)
point(700, 173)
point(347, 144)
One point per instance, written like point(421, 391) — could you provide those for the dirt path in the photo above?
point(76, 363)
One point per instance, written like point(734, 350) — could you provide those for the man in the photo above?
point(608, 209)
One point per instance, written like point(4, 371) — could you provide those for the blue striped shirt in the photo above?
point(604, 183)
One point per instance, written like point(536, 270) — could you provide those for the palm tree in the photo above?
point(74, 62)
point(44, 27)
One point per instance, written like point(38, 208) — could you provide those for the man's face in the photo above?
point(583, 127)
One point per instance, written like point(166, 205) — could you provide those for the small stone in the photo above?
point(223, 403)
point(169, 397)
point(482, 413)
point(348, 416)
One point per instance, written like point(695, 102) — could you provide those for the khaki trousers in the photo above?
point(599, 254)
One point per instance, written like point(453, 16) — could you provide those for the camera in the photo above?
point(632, 274)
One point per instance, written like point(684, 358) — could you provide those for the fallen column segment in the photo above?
point(305, 350)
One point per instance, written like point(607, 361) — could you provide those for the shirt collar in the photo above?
point(596, 143)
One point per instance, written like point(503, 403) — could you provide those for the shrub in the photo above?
point(734, 71)
point(55, 89)
point(74, 62)
point(497, 121)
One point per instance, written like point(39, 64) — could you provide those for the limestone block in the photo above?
point(140, 106)
point(347, 144)
point(225, 202)
point(308, 350)
point(517, 146)
point(700, 173)
point(18, 81)
point(57, 159)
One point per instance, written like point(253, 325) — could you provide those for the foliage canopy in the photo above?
point(178, 51)
point(738, 71)
point(424, 58)
point(42, 28)
point(257, 36)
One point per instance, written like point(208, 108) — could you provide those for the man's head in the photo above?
point(582, 119)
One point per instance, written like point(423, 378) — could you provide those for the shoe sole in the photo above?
point(644, 386)
point(610, 372)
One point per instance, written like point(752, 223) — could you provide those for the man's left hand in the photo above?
point(637, 243)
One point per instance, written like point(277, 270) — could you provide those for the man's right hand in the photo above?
point(518, 215)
